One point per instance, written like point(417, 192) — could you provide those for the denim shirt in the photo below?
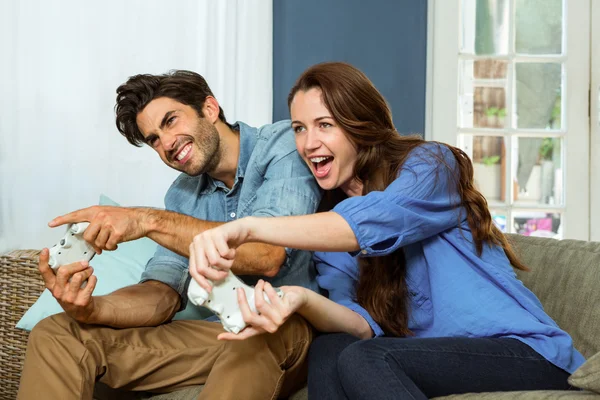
point(271, 180)
point(452, 290)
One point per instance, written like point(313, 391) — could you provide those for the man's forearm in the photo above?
point(176, 231)
point(173, 230)
point(146, 304)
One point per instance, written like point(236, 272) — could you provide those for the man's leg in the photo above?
point(264, 366)
point(412, 368)
point(65, 358)
point(323, 380)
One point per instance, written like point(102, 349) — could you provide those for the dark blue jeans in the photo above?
point(342, 367)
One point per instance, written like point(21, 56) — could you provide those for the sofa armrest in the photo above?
point(21, 285)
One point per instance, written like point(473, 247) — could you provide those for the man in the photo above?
point(229, 171)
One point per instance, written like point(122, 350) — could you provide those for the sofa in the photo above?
point(565, 275)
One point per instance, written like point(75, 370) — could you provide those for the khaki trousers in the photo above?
point(64, 359)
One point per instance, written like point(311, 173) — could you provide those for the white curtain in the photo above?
point(61, 62)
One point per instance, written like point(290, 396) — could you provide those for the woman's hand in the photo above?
point(212, 251)
point(269, 317)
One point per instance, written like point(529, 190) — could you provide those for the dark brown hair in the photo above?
point(186, 87)
point(362, 112)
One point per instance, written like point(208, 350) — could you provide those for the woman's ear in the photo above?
point(211, 109)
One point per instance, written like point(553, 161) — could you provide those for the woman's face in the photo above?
point(322, 144)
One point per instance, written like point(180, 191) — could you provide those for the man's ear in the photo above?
point(211, 109)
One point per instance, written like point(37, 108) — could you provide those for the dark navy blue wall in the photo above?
point(386, 39)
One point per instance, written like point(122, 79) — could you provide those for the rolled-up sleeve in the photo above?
point(169, 268)
point(422, 202)
point(338, 274)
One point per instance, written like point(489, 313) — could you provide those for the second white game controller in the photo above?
point(71, 248)
point(222, 300)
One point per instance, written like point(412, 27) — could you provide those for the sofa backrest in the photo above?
point(565, 276)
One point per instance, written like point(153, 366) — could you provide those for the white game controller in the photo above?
point(71, 248)
point(222, 300)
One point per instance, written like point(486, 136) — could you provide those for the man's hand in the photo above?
point(109, 225)
point(65, 286)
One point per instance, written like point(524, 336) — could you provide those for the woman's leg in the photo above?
point(323, 381)
point(412, 368)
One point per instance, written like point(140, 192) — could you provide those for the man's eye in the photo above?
point(152, 141)
point(170, 121)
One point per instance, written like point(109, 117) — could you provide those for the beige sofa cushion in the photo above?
point(588, 375)
point(564, 276)
point(533, 395)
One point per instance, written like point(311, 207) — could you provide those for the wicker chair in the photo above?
point(20, 286)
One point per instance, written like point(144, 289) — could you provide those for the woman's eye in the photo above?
point(325, 125)
point(298, 129)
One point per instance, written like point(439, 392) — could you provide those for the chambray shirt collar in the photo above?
point(247, 142)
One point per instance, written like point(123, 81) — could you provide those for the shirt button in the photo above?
point(364, 252)
point(232, 215)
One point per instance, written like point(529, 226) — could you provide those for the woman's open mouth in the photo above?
point(321, 166)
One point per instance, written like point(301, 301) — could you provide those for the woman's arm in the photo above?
point(328, 316)
point(326, 231)
point(422, 202)
point(322, 313)
point(216, 247)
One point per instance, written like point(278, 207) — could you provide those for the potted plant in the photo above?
point(546, 149)
point(487, 175)
point(491, 116)
point(490, 160)
point(501, 117)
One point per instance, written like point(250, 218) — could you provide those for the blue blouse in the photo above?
point(453, 291)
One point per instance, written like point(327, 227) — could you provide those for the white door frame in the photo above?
point(443, 21)
point(595, 125)
point(442, 109)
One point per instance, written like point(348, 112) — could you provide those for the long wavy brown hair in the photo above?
point(363, 114)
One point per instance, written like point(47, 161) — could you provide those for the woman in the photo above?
point(409, 257)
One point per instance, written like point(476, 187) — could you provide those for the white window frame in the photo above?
point(595, 124)
point(442, 108)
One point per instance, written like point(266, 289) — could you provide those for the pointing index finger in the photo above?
point(72, 217)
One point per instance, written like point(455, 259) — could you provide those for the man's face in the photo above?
point(182, 139)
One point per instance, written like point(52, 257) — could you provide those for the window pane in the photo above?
point(538, 171)
point(485, 27)
point(489, 165)
point(490, 69)
point(538, 26)
point(538, 95)
point(536, 223)
point(483, 94)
